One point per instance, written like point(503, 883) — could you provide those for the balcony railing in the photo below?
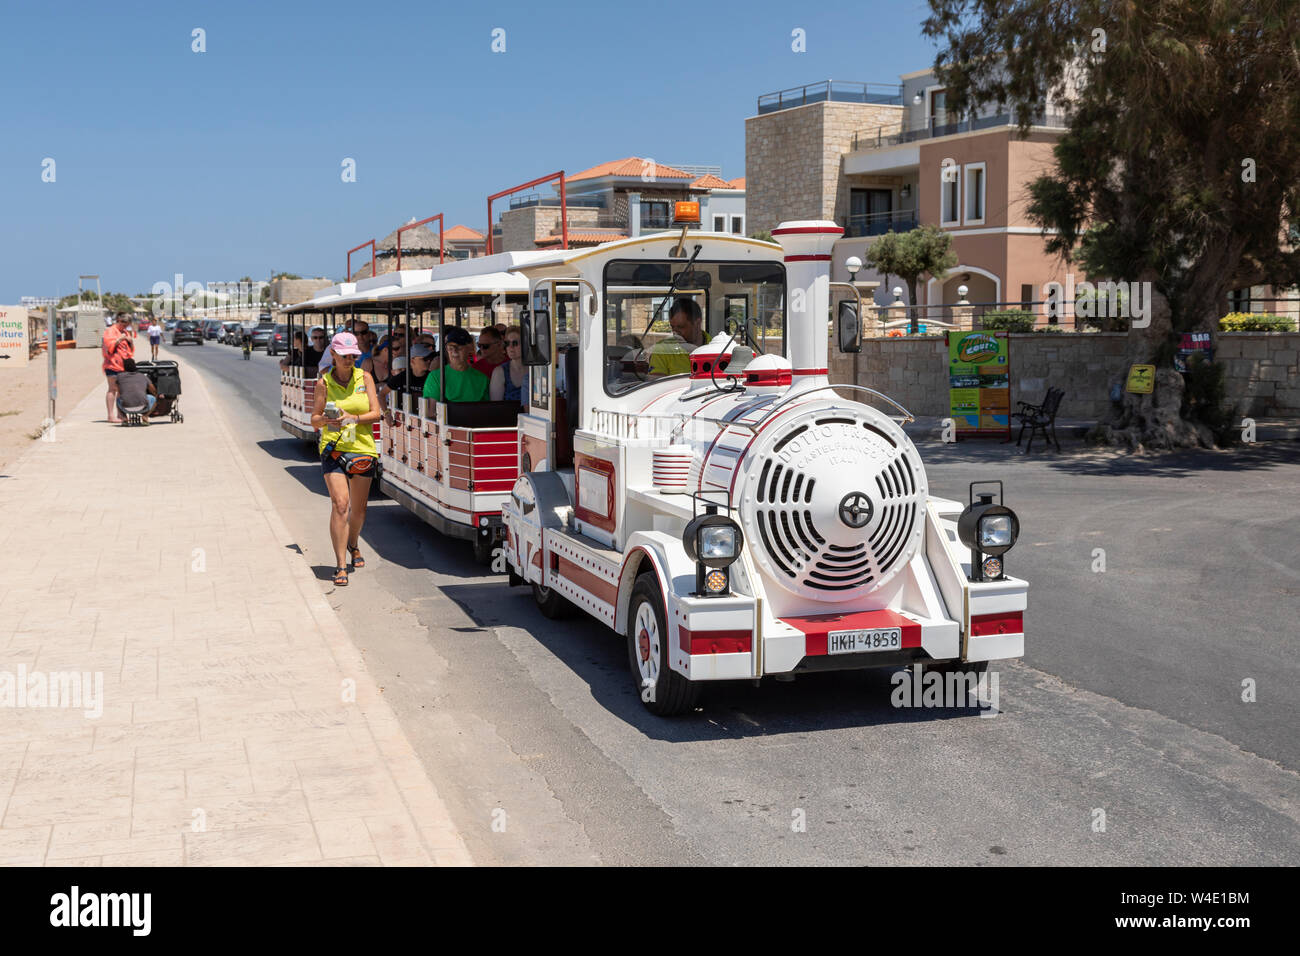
point(879, 223)
point(835, 91)
point(535, 199)
point(880, 136)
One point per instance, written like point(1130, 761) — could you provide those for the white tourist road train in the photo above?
point(724, 508)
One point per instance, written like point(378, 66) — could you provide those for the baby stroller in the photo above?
point(166, 379)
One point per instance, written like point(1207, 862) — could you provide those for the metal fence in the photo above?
point(896, 133)
point(879, 223)
point(937, 318)
point(837, 91)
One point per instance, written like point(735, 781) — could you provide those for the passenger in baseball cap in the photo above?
point(409, 379)
point(464, 382)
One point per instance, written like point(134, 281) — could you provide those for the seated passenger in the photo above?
point(673, 356)
point(510, 381)
point(491, 353)
point(400, 382)
point(308, 359)
point(464, 383)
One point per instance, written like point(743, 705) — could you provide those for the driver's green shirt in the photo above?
point(470, 385)
point(670, 357)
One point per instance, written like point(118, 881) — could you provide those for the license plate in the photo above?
point(857, 642)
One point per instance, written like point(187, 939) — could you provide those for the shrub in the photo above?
point(1255, 322)
point(1008, 320)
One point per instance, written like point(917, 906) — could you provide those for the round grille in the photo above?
point(834, 503)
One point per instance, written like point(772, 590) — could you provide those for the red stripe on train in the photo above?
point(816, 627)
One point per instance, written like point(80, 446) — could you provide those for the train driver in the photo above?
point(673, 356)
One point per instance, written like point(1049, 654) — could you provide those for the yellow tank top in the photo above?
point(353, 400)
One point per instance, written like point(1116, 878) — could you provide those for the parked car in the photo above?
point(170, 325)
point(262, 334)
point(187, 331)
point(278, 343)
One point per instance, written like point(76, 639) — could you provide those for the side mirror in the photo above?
point(849, 327)
point(536, 328)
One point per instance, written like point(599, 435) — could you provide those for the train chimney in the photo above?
point(807, 248)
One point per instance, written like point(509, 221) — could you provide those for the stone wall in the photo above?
point(1262, 371)
point(523, 226)
point(793, 167)
point(289, 291)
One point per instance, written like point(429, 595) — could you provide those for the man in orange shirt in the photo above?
point(119, 345)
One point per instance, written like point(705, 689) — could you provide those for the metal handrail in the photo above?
point(895, 133)
point(907, 416)
point(412, 225)
point(564, 207)
point(824, 91)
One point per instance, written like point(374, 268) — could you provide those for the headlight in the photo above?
point(717, 541)
point(713, 540)
point(995, 531)
point(989, 530)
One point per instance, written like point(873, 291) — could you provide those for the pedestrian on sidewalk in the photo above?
point(118, 346)
point(347, 448)
point(155, 338)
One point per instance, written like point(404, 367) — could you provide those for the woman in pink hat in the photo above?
point(347, 405)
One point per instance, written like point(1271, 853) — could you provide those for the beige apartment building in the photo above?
point(876, 157)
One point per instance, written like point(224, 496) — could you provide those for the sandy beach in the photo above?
point(23, 396)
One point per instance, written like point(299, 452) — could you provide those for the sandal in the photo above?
point(341, 577)
point(358, 562)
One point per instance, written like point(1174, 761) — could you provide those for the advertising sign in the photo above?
point(1193, 343)
point(979, 383)
point(13, 337)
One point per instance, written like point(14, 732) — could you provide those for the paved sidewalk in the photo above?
point(239, 725)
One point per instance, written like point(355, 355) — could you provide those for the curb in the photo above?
point(442, 841)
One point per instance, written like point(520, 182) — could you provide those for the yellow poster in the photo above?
point(1141, 379)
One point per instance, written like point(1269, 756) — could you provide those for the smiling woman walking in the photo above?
point(346, 406)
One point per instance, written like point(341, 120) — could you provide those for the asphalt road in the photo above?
point(1127, 708)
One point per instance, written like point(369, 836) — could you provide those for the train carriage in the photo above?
point(451, 464)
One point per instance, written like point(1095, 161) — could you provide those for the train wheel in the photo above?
point(483, 548)
point(664, 692)
point(550, 603)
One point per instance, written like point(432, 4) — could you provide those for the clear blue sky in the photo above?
point(227, 162)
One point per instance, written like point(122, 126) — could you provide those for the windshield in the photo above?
point(657, 313)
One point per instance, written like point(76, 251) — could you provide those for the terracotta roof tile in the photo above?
point(737, 183)
point(632, 166)
point(462, 233)
point(585, 238)
point(710, 181)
